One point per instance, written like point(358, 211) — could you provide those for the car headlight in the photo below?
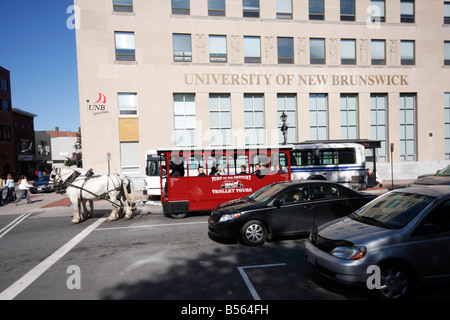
point(349, 253)
point(228, 217)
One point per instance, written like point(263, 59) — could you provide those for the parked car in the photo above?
point(42, 184)
point(405, 233)
point(283, 209)
point(441, 177)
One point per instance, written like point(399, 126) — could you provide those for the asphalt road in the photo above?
point(43, 256)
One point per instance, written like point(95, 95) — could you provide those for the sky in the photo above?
point(39, 50)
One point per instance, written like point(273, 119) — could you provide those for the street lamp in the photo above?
point(284, 127)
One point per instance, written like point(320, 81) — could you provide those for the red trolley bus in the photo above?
point(199, 179)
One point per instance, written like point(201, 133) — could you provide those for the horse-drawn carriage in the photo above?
point(82, 186)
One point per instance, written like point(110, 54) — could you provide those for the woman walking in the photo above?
point(23, 189)
point(10, 186)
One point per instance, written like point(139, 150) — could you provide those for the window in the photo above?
point(128, 105)
point(337, 156)
point(378, 48)
point(284, 9)
point(250, 8)
point(5, 105)
point(347, 10)
point(317, 51)
point(378, 121)
point(287, 103)
point(348, 51)
point(125, 47)
point(182, 51)
point(4, 84)
point(446, 12)
point(285, 50)
point(7, 133)
point(447, 53)
point(407, 51)
point(325, 191)
point(447, 124)
point(407, 126)
point(220, 119)
point(185, 119)
point(216, 7)
point(254, 119)
point(129, 157)
point(318, 113)
point(407, 11)
point(217, 48)
point(378, 10)
point(181, 7)
point(349, 116)
point(316, 10)
point(439, 218)
point(123, 5)
point(252, 49)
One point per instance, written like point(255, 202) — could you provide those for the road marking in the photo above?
point(11, 226)
point(21, 284)
point(247, 280)
point(152, 225)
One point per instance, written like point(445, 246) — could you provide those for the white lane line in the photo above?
point(152, 225)
point(247, 280)
point(21, 284)
point(11, 226)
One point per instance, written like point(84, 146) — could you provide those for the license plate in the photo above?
point(311, 258)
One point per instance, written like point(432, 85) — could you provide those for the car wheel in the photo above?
point(253, 233)
point(396, 281)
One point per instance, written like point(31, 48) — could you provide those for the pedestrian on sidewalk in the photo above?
point(1, 191)
point(10, 185)
point(23, 189)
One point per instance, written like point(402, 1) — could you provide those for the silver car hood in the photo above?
point(358, 233)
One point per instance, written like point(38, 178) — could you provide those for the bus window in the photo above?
point(195, 161)
point(152, 168)
point(217, 162)
point(337, 156)
point(236, 161)
point(279, 163)
point(328, 156)
point(302, 158)
point(347, 156)
point(257, 159)
point(176, 165)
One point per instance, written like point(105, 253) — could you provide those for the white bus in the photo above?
point(344, 163)
point(152, 185)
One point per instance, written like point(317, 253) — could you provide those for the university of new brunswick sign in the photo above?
point(99, 106)
point(261, 79)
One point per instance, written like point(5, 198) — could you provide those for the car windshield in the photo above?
point(43, 178)
point(393, 210)
point(266, 193)
point(444, 172)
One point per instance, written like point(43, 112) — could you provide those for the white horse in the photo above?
point(81, 188)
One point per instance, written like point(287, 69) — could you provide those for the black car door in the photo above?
point(292, 215)
point(329, 202)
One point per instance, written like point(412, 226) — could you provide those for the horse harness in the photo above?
point(90, 174)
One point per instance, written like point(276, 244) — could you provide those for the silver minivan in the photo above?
point(403, 234)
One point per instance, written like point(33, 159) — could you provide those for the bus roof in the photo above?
point(225, 148)
point(326, 145)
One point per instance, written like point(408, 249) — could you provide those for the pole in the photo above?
point(392, 165)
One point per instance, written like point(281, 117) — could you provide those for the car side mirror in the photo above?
point(278, 203)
